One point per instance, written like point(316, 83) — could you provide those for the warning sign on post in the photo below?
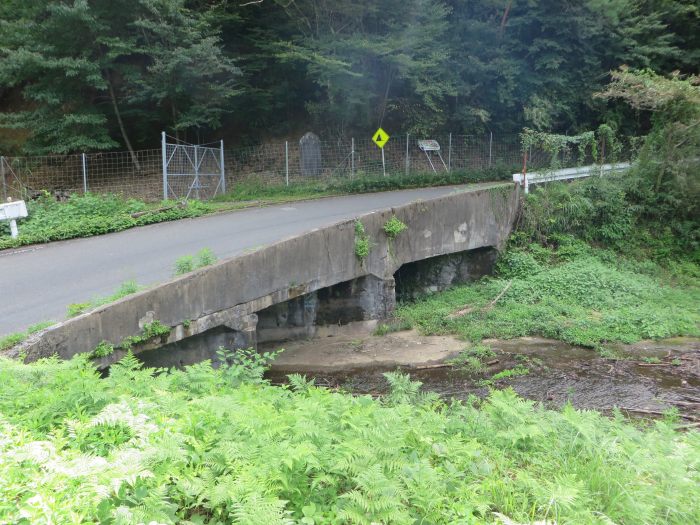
point(380, 138)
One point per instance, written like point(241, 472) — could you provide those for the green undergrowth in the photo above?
point(572, 292)
point(221, 446)
point(91, 214)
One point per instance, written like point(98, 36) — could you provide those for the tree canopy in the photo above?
point(87, 75)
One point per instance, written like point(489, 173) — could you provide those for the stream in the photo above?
point(642, 379)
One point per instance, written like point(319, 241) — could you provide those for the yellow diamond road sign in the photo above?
point(380, 138)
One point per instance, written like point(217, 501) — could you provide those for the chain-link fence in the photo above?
point(140, 174)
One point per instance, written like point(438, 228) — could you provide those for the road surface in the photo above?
point(38, 282)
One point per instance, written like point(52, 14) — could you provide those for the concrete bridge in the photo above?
point(301, 285)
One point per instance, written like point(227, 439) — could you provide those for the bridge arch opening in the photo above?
point(435, 274)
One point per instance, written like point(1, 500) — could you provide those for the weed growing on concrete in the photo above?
point(149, 332)
point(363, 244)
point(189, 263)
point(103, 349)
point(393, 227)
point(10, 340)
point(126, 288)
point(184, 264)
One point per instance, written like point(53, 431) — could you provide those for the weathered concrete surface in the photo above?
point(229, 293)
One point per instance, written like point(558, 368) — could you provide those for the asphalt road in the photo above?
point(38, 282)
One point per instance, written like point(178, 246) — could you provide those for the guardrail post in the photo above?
point(84, 174)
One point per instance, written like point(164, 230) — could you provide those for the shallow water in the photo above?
point(558, 373)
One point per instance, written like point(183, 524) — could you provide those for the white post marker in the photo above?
point(380, 138)
point(11, 211)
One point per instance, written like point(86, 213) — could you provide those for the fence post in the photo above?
point(352, 158)
point(196, 183)
point(165, 166)
point(286, 162)
point(84, 174)
point(408, 162)
point(223, 170)
point(383, 163)
point(4, 183)
point(449, 155)
point(490, 146)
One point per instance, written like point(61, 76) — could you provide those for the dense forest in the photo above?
point(79, 75)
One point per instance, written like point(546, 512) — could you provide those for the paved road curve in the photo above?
point(38, 282)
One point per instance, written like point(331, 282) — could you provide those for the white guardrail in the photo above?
point(579, 172)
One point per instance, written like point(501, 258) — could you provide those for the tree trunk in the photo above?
point(118, 114)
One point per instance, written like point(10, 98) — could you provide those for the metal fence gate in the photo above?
point(192, 170)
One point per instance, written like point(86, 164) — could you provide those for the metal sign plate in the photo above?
point(429, 145)
point(380, 138)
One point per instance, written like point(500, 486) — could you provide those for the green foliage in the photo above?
point(471, 360)
point(363, 243)
point(189, 263)
point(126, 288)
point(184, 264)
point(103, 349)
point(508, 373)
point(667, 169)
point(142, 60)
point(613, 211)
point(10, 340)
point(155, 329)
point(149, 332)
point(89, 75)
point(574, 293)
point(86, 215)
point(555, 144)
point(194, 446)
point(393, 227)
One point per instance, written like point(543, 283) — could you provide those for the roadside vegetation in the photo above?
point(91, 214)
point(207, 446)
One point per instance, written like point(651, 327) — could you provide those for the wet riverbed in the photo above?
point(646, 378)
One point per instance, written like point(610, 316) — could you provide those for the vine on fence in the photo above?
point(597, 144)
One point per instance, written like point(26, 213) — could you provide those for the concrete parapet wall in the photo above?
point(230, 292)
